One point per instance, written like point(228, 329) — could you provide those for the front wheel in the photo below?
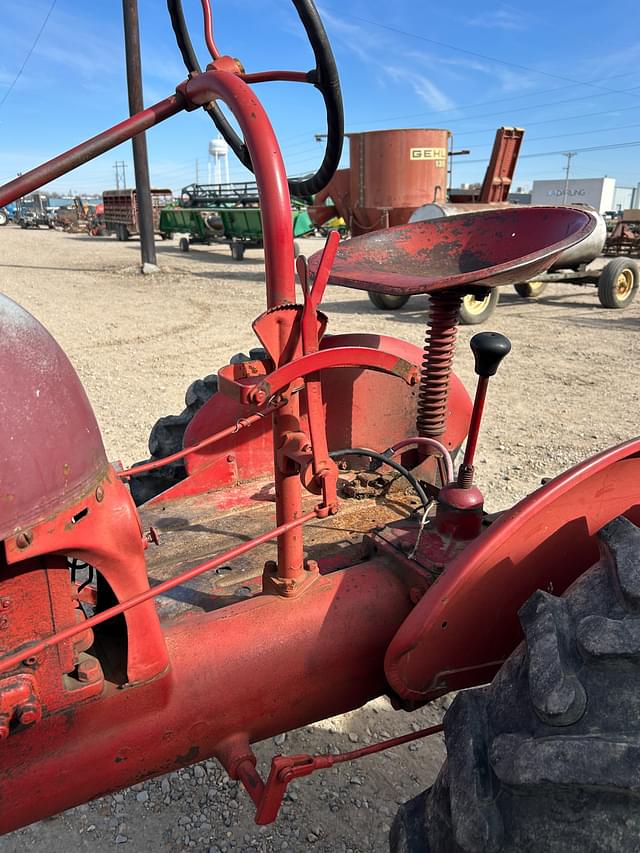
point(4, 217)
point(530, 289)
point(237, 250)
point(183, 245)
point(477, 309)
point(388, 301)
point(547, 757)
point(618, 283)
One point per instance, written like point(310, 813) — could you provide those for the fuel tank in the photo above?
point(51, 451)
point(582, 253)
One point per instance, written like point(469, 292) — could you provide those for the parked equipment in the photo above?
point(121, 211)
point(106, 680)
point(225, 213)
point(624, 234)
point(31, 211)
point(7, 214)
point(395, 173)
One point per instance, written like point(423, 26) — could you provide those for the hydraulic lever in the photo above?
point(460, 504)
point(489, 348)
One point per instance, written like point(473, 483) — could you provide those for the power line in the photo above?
point(633, 144)
point(575, 133)
point(28, 56)
point(469, 52)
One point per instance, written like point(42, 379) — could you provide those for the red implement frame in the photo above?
point(502, 165)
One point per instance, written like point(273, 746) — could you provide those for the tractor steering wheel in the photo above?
point(324, 77)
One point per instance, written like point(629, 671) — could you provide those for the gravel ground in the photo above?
point(569, 388)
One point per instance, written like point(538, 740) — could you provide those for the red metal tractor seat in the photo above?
point(489, 248)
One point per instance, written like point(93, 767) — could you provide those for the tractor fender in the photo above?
point(51, 451)
point(466, 624)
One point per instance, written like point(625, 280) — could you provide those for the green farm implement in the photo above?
point(225, 213)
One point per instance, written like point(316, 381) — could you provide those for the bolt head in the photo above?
point(28, 715)
point(99, 494)
point(24, 539)
point(89, 671)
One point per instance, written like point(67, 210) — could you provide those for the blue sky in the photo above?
point(567, 72)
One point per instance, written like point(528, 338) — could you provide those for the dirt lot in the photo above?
point(570, 388)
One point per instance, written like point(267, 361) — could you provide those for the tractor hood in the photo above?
point(51, 451)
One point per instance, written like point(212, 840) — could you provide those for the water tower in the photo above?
point(219, 155)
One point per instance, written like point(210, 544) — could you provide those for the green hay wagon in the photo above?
point(224, 213)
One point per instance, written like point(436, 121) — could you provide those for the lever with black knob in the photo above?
point(489, 349)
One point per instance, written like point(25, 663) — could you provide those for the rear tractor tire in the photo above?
point(530, 289)
point(546, 759)
point(476, 309)
point(388, 301)
point(166, 437)
point(618, 283)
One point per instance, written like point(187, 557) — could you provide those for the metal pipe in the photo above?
point(105, 141)
point(275, 206)
point(139, 142)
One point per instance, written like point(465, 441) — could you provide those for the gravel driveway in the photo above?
point(569, 388)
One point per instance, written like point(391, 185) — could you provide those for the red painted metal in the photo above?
point(466, 624)
point(43, 468)
point(241, 423)
point(208, 29)
point(476, 419)
point(437, 363)
point(392, 172)
point(500, 247)
point(266, 158)
point(92, 705)
point(228, 684)
point(10, 661)
point(279, 379)
point(333, 200)
point(248, 455)
point(286, 768)
point(74, 157)
point(274, 76)
point(502, 165)
point(278, 250)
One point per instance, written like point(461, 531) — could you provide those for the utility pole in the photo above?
point(120, 167)
point(139, 142)
point(568, 155)
point(197, 171)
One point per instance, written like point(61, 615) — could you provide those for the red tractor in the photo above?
point(137, 640)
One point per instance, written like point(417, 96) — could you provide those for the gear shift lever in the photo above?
point(489, 348)
point(459, 512)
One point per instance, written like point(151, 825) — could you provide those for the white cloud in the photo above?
point(502, 18)
point(421, 85)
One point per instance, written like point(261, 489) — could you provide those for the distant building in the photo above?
point(597, 192)
point(623, 198)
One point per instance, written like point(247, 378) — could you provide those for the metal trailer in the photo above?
point(624, 237)
point(225, 213)
point(121, 214)
point(617, 282)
